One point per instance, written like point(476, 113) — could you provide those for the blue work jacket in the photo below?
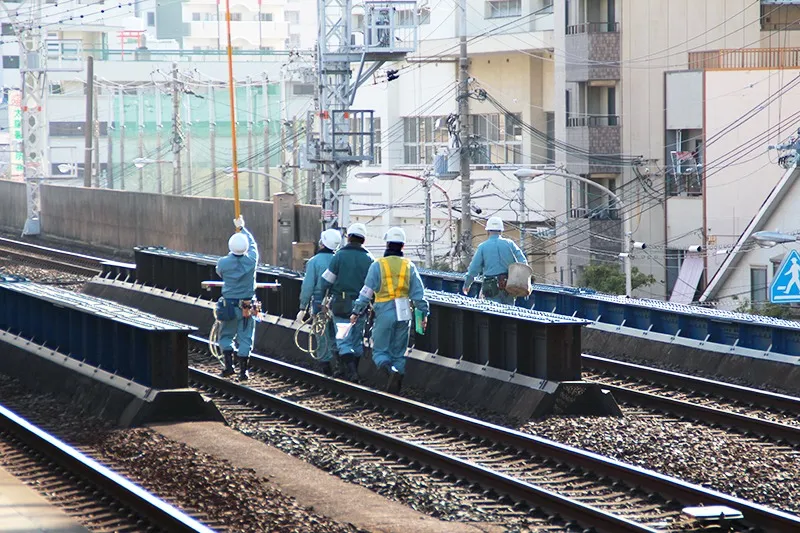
point(347, 272)
point(238, 272)
point(492, 258)
point(312, 281)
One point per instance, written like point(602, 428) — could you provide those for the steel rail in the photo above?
point(516, 489)
point(59, 259)
point(687, 493)
point(738, 393)
point(157, 511)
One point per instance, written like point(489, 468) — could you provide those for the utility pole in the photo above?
point(189, 147)
point(523, 217)
point(121, 139)
point(89, 130)
point(140, 105)
point(212, 137)
point(283, 155)
point(463, 122)
point(110, 143)
point(96, 144)
point(159, 127)
point(177, 185)
point(428, 236)
point(265, 91)
point(295, 166)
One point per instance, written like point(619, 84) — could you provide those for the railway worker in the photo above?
point(312, 292)
point(492, 259)
point(344, 277)
point(238, 273)
point(395, 283)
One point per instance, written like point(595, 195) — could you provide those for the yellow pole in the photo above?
point(232, 88)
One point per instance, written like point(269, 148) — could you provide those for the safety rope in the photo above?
point(213, 339)
point(318, 325)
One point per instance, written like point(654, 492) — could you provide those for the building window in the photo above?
point(151, 19)
point(56, 88)
point(376, 128)
point(423, 139)
point(10, 61)
point(196, 17)
point(503, 8)
point(266, 17)
point(292, 17)
point(236, 17)
point(674, 259)
point(294, 40)
point(550, 153)
point(267, 48)
point(758, 285)
point(585, 201)
point(6, 29)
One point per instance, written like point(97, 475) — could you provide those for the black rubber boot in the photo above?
point(228, 371)
point(243, 364)
point(350, 364)
point(326, 369)
point(394, 382)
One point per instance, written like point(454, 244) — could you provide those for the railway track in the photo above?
point(743, 409)
point(100, 498)
point(50, 258)
point(582, 487)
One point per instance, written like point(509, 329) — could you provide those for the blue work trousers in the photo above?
point(502, 298)
point(390, 340)
point(327, 342)
point(353, 343)
point(241, 332)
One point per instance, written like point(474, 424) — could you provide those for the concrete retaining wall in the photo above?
point(124, 219)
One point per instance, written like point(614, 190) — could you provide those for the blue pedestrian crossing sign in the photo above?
point(785, 288)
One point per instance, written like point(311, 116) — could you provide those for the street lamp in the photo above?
point(140, 162)
point(428, 182)
point(523, 173)
point(229, 170)
point(768, 239)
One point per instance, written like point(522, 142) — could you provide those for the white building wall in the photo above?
point(734, 192)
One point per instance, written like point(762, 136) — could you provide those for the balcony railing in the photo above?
point(592, 121)
point(109, 54)
point(597, 213)
point(593, 27)
point(745, 59)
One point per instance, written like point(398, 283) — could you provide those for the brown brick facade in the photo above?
point(601, 51)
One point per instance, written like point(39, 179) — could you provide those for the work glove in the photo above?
point(301, 316)
point(239, 222)
point(465, 290)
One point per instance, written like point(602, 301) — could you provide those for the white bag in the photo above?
point(403, 308)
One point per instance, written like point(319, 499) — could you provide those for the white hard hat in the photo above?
point(330, 239)
point(238, 243)
point(358, 229)
point(395, 235)
point(495, 224)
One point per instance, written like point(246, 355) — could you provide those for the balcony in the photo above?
point(598, 43)
point(745, 59)
point(599, 135)
point(248, 31)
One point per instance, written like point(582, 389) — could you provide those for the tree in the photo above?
point(764, 309)
point(610, 279)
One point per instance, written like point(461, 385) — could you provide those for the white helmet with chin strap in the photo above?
point(238, 244)
point(395, 235)
point(358, 229)
point(495, 224)
point(330, 239)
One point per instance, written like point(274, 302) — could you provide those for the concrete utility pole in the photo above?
point(212, 137)
point(428, 235)
point(89, 130)
point(265, 91)
point(96, 144)
point(159, 127)
point(110, 142)
point(140, 105)
point(463, 122)
point(189, 171)
point(121, 139)
point(177, 184)
point(523, 214)
point(251, 181)
point(295, 165)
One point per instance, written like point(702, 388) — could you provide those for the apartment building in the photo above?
point(658, 80)
point(510, 51)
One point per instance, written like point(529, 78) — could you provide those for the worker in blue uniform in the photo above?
point(238, 273)
point(395, 283)
point(344, 277)
point(492, 259)
point(312, 293)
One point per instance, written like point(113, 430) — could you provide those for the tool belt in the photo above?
point(492, 286)
point(226, 308)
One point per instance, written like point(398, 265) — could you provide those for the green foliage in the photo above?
point(610, 279)
point(442, 264)
point(765, 309)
